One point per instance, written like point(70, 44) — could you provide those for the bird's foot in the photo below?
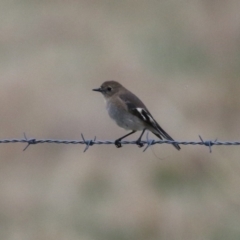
point(139, 143)
point(118, 144)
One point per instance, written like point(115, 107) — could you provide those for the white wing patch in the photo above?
point(140, 110)
point(145, 115)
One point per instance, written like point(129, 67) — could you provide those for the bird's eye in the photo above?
point(109, 89)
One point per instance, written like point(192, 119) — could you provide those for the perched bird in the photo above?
point(128, 111)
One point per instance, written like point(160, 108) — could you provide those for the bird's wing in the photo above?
point(136, 107)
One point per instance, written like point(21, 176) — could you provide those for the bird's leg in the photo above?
point(138, 142)
point(118, 141)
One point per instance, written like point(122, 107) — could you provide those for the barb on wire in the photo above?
point(88, 142)
point(149, 142)
point(91, 142)
point(29, 141)
point(208, 143)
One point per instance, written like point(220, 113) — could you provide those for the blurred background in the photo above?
point(182, 58)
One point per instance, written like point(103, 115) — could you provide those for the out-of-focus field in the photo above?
point(181, 58)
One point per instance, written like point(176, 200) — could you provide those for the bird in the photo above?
point(130, 113)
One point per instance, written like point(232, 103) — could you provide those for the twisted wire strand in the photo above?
point(94, 141)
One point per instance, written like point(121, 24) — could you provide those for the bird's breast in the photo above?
point(123, 118)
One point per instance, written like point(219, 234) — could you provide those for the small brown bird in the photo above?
point(128, 111)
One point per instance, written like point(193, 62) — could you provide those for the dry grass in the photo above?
point(181, 58)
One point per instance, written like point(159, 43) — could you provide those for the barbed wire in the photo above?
point(90, 142)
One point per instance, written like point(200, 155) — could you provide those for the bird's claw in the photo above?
point(139, 144)
point(118, 144)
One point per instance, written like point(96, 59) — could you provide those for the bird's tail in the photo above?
point(162, 134)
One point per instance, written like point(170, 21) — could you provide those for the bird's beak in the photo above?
point(98, 89)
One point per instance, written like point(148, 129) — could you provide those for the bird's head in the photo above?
point(109, 88)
